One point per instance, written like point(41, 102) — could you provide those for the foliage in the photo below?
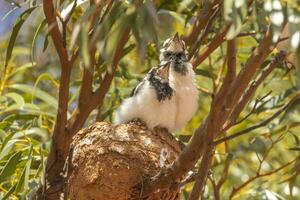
point(30, 73)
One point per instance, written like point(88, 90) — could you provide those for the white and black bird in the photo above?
point(167, 97)
point(152, 101)
point(181, 80)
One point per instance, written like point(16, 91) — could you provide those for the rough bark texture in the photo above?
point(108, 161)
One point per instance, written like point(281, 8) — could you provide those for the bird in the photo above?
point(151, 101)
point(167, 97)
point(182, 79)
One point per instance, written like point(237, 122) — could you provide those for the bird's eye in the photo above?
point(180, 55)
point(167, 54)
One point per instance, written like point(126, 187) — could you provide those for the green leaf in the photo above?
point(38, 30)
point(21, 19)
point(46, 42)
point(8, 147)
point(22, 68)
point(295, 149)
point(22, 185)
point(127, 50)
point(84, 46)
point(38, 93)
point(33, 133)
point(297, 141)
point(204, 73)
point(10, 166)
point(18, 99)
point(10, 191)
point(4, 124)
point(5, 141)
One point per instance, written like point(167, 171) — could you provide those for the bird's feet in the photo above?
point(161, 129)
point(137, 122)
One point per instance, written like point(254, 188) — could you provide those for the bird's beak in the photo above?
point(175, 45)
point(164, 71)
point(176, 38)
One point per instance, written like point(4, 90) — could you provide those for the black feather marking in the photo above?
point(178, 60)
point(162, 89)
point(180, 67)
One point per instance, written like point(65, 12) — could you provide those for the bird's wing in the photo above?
point(136, 88)
point(139, 86)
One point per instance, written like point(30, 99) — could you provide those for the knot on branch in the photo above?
point(280, 56)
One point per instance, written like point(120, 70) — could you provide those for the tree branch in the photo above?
point(204, 33)
point(66, 66)
point(97, 98)
point(260, 124)
point(211, 47)
point(212, 124)
point(55, 33)
point(235, 190)
point(203, 169)
point(200, 22)
point(279, 58)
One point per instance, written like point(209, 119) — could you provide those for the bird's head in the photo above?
point(173, 50)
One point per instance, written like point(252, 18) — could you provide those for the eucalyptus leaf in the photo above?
point(38, 93)
point(10, 166)
point(21, 19)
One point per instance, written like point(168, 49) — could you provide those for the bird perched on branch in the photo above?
point(152, 101)
point(167, 97)
point(181, 79)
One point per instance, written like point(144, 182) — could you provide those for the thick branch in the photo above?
point(55, 33)
point(231, 72)
point(204, 33)
point(203, 169)
point(66, 66)
point(57, 148)
point(211, 47)
point(252, 64)
point(200, 22)
point(213, 123)
point(279, 58)
point(97, 98)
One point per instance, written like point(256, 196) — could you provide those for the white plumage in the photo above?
point(186, 95)
point(146, 107)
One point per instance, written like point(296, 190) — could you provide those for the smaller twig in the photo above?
point(189, 179)
point(254, 108)
point(109, 5)
point(220, 72)
point(211, 72)
point(260, 124)
point(65, 21)
point(214, 186)
point(235, 190)
point(226, 168)
point(91, 31)
point(247, 34)
point(204, 90)
point(245, 96)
